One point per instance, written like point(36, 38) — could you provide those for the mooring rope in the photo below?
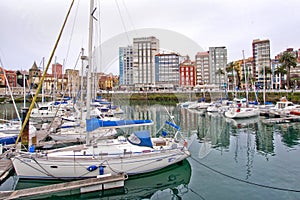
point(241, 180)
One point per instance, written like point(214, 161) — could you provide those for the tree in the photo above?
point(281, 71)
point(229, 67)
point(229, 71)
point(268, 70)
point(235, 66)
point(287, 61)
point(220, 72)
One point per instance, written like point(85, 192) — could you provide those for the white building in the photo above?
point(144, 51)
point(217, 63)
point(261, 56)
point(202, 68)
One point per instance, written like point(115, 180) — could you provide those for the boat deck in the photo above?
point(281, 120)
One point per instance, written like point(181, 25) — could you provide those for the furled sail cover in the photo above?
point(94, 123)
point(173, 125)
point(8, 139)
point(141, 138)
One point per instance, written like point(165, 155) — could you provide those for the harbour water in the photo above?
point(230, 159)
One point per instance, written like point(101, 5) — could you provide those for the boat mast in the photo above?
point(43, 98)
point(55, 80)
point(43, 77)
point(83, 58)
point(264, 68)
point(24, 90)
point(89, 77)
point(234, 80)
point(245, 77)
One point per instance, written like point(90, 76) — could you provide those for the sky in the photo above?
point(29, 28)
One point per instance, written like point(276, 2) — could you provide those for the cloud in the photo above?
point(31, 26)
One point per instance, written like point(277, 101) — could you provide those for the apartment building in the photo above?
point(261, 60)
point(126, 65)
point(167, 69)
point(217, 63)
point(144, 51)
point(187, 72)
point(202, 68)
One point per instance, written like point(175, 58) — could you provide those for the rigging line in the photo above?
point(9, 89)
point(99, 34)
point(46, 172)
point(196, 193)
point(93, 14)
point(122, 20)
point(41, 63)
point(241, 180)
point(156, 160)
point(71, 35)
point(63, 95)
point(112, 169)
point(129, 17)
point(43, 172)
point(117, 171)
point(72, 72)
point(44, 74)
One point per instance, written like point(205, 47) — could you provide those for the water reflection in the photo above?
point(290, 133)
point(264, 140)
point(169, 183)
point(7, 111)
point(211, 127)
point(247, 149)
point(218, 130)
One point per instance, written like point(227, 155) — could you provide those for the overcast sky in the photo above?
point(29, 28)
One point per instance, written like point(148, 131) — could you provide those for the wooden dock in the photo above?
point(5, 168)
point(287, 119)
point(104, 182)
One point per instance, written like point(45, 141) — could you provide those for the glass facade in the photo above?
point(126, 65)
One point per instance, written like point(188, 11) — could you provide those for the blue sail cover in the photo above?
point(56, 103)
point(94, 123)
point(8, 139)
point(173, 125)
point(141, 138)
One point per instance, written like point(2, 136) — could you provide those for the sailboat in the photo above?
point(168, 182)
point(134, 155)
point(137, 154)
point(241, 108)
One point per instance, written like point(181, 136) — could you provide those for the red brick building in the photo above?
point(187, 77)
point(11, 78)
point(57, 70)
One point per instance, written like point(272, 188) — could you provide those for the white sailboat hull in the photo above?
point(30, 167)
point(133, 155)
point(242, 113)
